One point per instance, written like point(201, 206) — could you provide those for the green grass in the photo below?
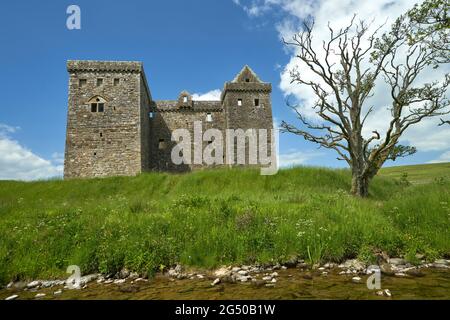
point(419, 174)
point(215, 217)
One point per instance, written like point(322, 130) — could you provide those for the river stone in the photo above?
point(439, 265)
point(356, 279)
point(58, 292)
point(13, 297)
point(441, 261)
point(119, 281)
point(236, 269)
point(353, 264)
point(9, 286)
point(400, 274)
point(242, 272)
point(48, 284)
point(33, 284)
point(217, 281)
point(274, 274)
point(133, 275)
point(291, 262)
point(274, 280)
point(222, 272)
point(386, 269)
point(387, 293)
point(267, 278)
point(397, 261)
point(40, 295)
point(178, 268)
point(88, 278)
point(172, 273)
point(124, 273)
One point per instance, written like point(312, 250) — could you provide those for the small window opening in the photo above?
point(151, 115)
point(101, 107)
point(208, 117)
point(239, 102)
point(99, 82)
point(93, 107)
point(256, 102)
point(101, 134)
point(185, 99)
point(116, 81)
point(247, 80)
point(82, 83)
point(95, 153)
point(161, 144)
point(210, 141)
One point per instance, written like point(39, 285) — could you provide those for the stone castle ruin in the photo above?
point(114, 127)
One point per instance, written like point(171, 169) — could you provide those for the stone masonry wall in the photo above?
point(165, 121)
point(103, 143)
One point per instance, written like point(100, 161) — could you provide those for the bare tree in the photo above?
point(344, 87)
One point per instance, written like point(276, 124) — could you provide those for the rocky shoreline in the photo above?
point(259, 275)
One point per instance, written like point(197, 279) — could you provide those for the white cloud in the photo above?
point(213, 95)
point(19, 163)
point(426, 136)
point(295, 157)
point(445, 157)
point(5, 129)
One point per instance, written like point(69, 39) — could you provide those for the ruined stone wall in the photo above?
point(109, 142)
point(145, 101)
point(168, 117)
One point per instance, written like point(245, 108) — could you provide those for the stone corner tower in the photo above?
point(247, 104)
point(107, 119)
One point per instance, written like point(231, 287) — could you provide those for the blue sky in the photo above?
point(194, 45)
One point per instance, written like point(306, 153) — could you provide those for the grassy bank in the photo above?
point(210, 218)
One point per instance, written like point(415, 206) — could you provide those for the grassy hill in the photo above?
point(215, 217)
point(418, 174)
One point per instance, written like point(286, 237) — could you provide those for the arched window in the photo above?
point(97, 104)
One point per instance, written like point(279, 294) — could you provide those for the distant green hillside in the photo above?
point(417, 174)
point(215, 217)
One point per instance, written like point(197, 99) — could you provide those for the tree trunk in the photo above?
point(360, 185)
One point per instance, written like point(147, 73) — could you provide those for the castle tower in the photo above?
point(247, 105)
point(107, 120)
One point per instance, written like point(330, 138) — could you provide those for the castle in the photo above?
point(114, 127)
